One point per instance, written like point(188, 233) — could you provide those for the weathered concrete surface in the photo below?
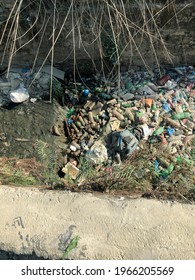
point(109, 228)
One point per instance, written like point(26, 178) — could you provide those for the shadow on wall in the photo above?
point(4, 255)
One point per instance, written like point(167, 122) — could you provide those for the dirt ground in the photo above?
point(22, 125)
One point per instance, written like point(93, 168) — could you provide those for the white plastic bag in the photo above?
point(98, 153)
point(19, 95)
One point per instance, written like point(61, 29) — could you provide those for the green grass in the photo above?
point(72, 245)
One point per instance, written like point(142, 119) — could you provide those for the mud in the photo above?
point(22, 125)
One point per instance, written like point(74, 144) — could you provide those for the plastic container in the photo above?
point(158, 131)
point(166, 172)
point(170, 131)
point(180, 116)
point(164, 79)
point(85, 92)
point(166, 107)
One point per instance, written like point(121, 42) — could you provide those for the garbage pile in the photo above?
point(107, 121)
point(107, 124)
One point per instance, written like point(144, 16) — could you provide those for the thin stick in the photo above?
point(14, 39)
point(52, 55)
point(56, 39)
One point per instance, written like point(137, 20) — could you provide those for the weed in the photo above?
point(73, 244)
point(47, 157)
point(18, 172)
point(138, 174)
point(87, 169)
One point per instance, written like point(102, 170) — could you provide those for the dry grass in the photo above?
point(25, 172)
point(100, 22)
point(138, 175)
point(19, 172)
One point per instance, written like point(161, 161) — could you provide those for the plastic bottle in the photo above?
point(105, 96)
point(128, 85)
point(178, 108)
point(129, 114)
point(180, 116)
point(76, 145)
point(84, 146)
point(153, 108)
point(118, 115)
point(172, 122)
point(158, 131)
point(166, 172)
point(170, 131)
point(85, 92)
point(118, 158)
point(162, 81)
point(156, 115)
point(156, 165)
point(166, 107)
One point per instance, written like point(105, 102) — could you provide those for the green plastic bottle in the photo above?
point(178, 159)
point(166, 172)
point(158, 131)
point(170, 168)
point(128, 85)
point(153, 107)
point(181, 116)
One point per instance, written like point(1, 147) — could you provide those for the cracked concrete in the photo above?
point(44, 222)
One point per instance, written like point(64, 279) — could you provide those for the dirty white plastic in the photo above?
point(19, 95)
point(98, 153)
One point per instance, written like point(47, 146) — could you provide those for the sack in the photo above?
point(123, 142)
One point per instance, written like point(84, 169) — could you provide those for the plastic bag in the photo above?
point(19, 95)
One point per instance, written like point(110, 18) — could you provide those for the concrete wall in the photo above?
point(44, 222)
point(175, 23)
